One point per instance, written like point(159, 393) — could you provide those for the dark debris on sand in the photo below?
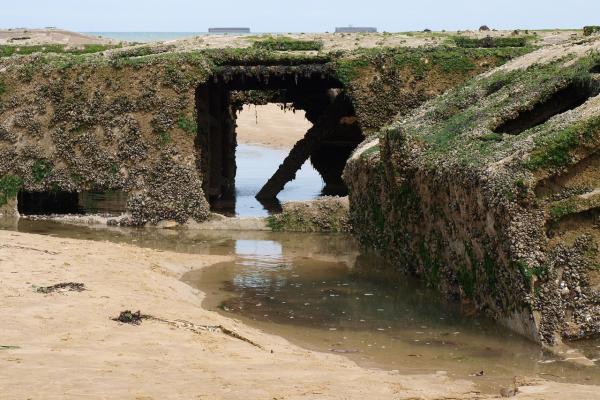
point(62, 287)
point(130, 317)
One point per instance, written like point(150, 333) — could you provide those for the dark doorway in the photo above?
point(112, 203)
point(334, 134)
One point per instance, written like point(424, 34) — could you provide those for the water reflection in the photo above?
point(357, 306)
point(322, 292)
point(255, 165)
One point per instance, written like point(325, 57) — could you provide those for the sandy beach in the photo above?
point(65, 343)
point(71, 334)
point(271, 126)
point(49, 337)
point(331, 42)
point(24, 36)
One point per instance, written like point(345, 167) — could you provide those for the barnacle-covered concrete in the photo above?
point(490, 192)
point(134, 119)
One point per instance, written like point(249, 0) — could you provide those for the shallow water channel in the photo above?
point(255, 165)
point(323, 293)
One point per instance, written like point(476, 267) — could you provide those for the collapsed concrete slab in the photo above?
point(331, 123)
point(490, 193)
point(155, 121)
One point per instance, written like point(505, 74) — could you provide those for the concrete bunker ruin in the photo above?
point(568, 98)
point(313, 88)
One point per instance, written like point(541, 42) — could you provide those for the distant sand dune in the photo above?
point(48, 36)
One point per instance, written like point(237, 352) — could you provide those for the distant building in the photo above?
point(355, 29)
point(228, 30)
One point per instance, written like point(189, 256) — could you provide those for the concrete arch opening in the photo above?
point(334, 134)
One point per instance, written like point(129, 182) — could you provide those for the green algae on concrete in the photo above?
point(110, 119)
point(326, 214)
point(282, 43)
point(476, 204)
point(9, 188)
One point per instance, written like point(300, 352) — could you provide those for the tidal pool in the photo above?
point(255, 165)
point(324, 293)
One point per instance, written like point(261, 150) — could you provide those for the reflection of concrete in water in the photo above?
point(261, 256)
point(317, 246)
point(108, 203)
point(261, 249)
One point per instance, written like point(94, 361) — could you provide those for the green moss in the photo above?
point(430, 266)
point(448, 60)
point(378, 217)
point(92, 48)
point(489, 266)
point(370, 151)
point(76, 178)
point(9, 188)
point(188, 125)
point(40, 170)
point(174, 77)
point(452, 129)
point(2, 88)
point(411, 200)
point(554, 150)
point(572, 205)
point(529, 272)
point(114, 168)
point(490, 42)
point(453, 63)
point(321, 216)
point(590, 30)
point(466, 280)
point(347, 70)
point(274, 223)
point(283, 43)
point(562, 209)
point(10, 50)
point(491, 137)
point(164, 138)
point(258, 56)
point(460, 124)
point(289, 222)
point(136, 52)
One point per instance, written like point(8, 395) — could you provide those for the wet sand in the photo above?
point(64, 345)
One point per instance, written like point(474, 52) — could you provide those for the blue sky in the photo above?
point(296, 16)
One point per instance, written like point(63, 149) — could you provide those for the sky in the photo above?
point(296, 16)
